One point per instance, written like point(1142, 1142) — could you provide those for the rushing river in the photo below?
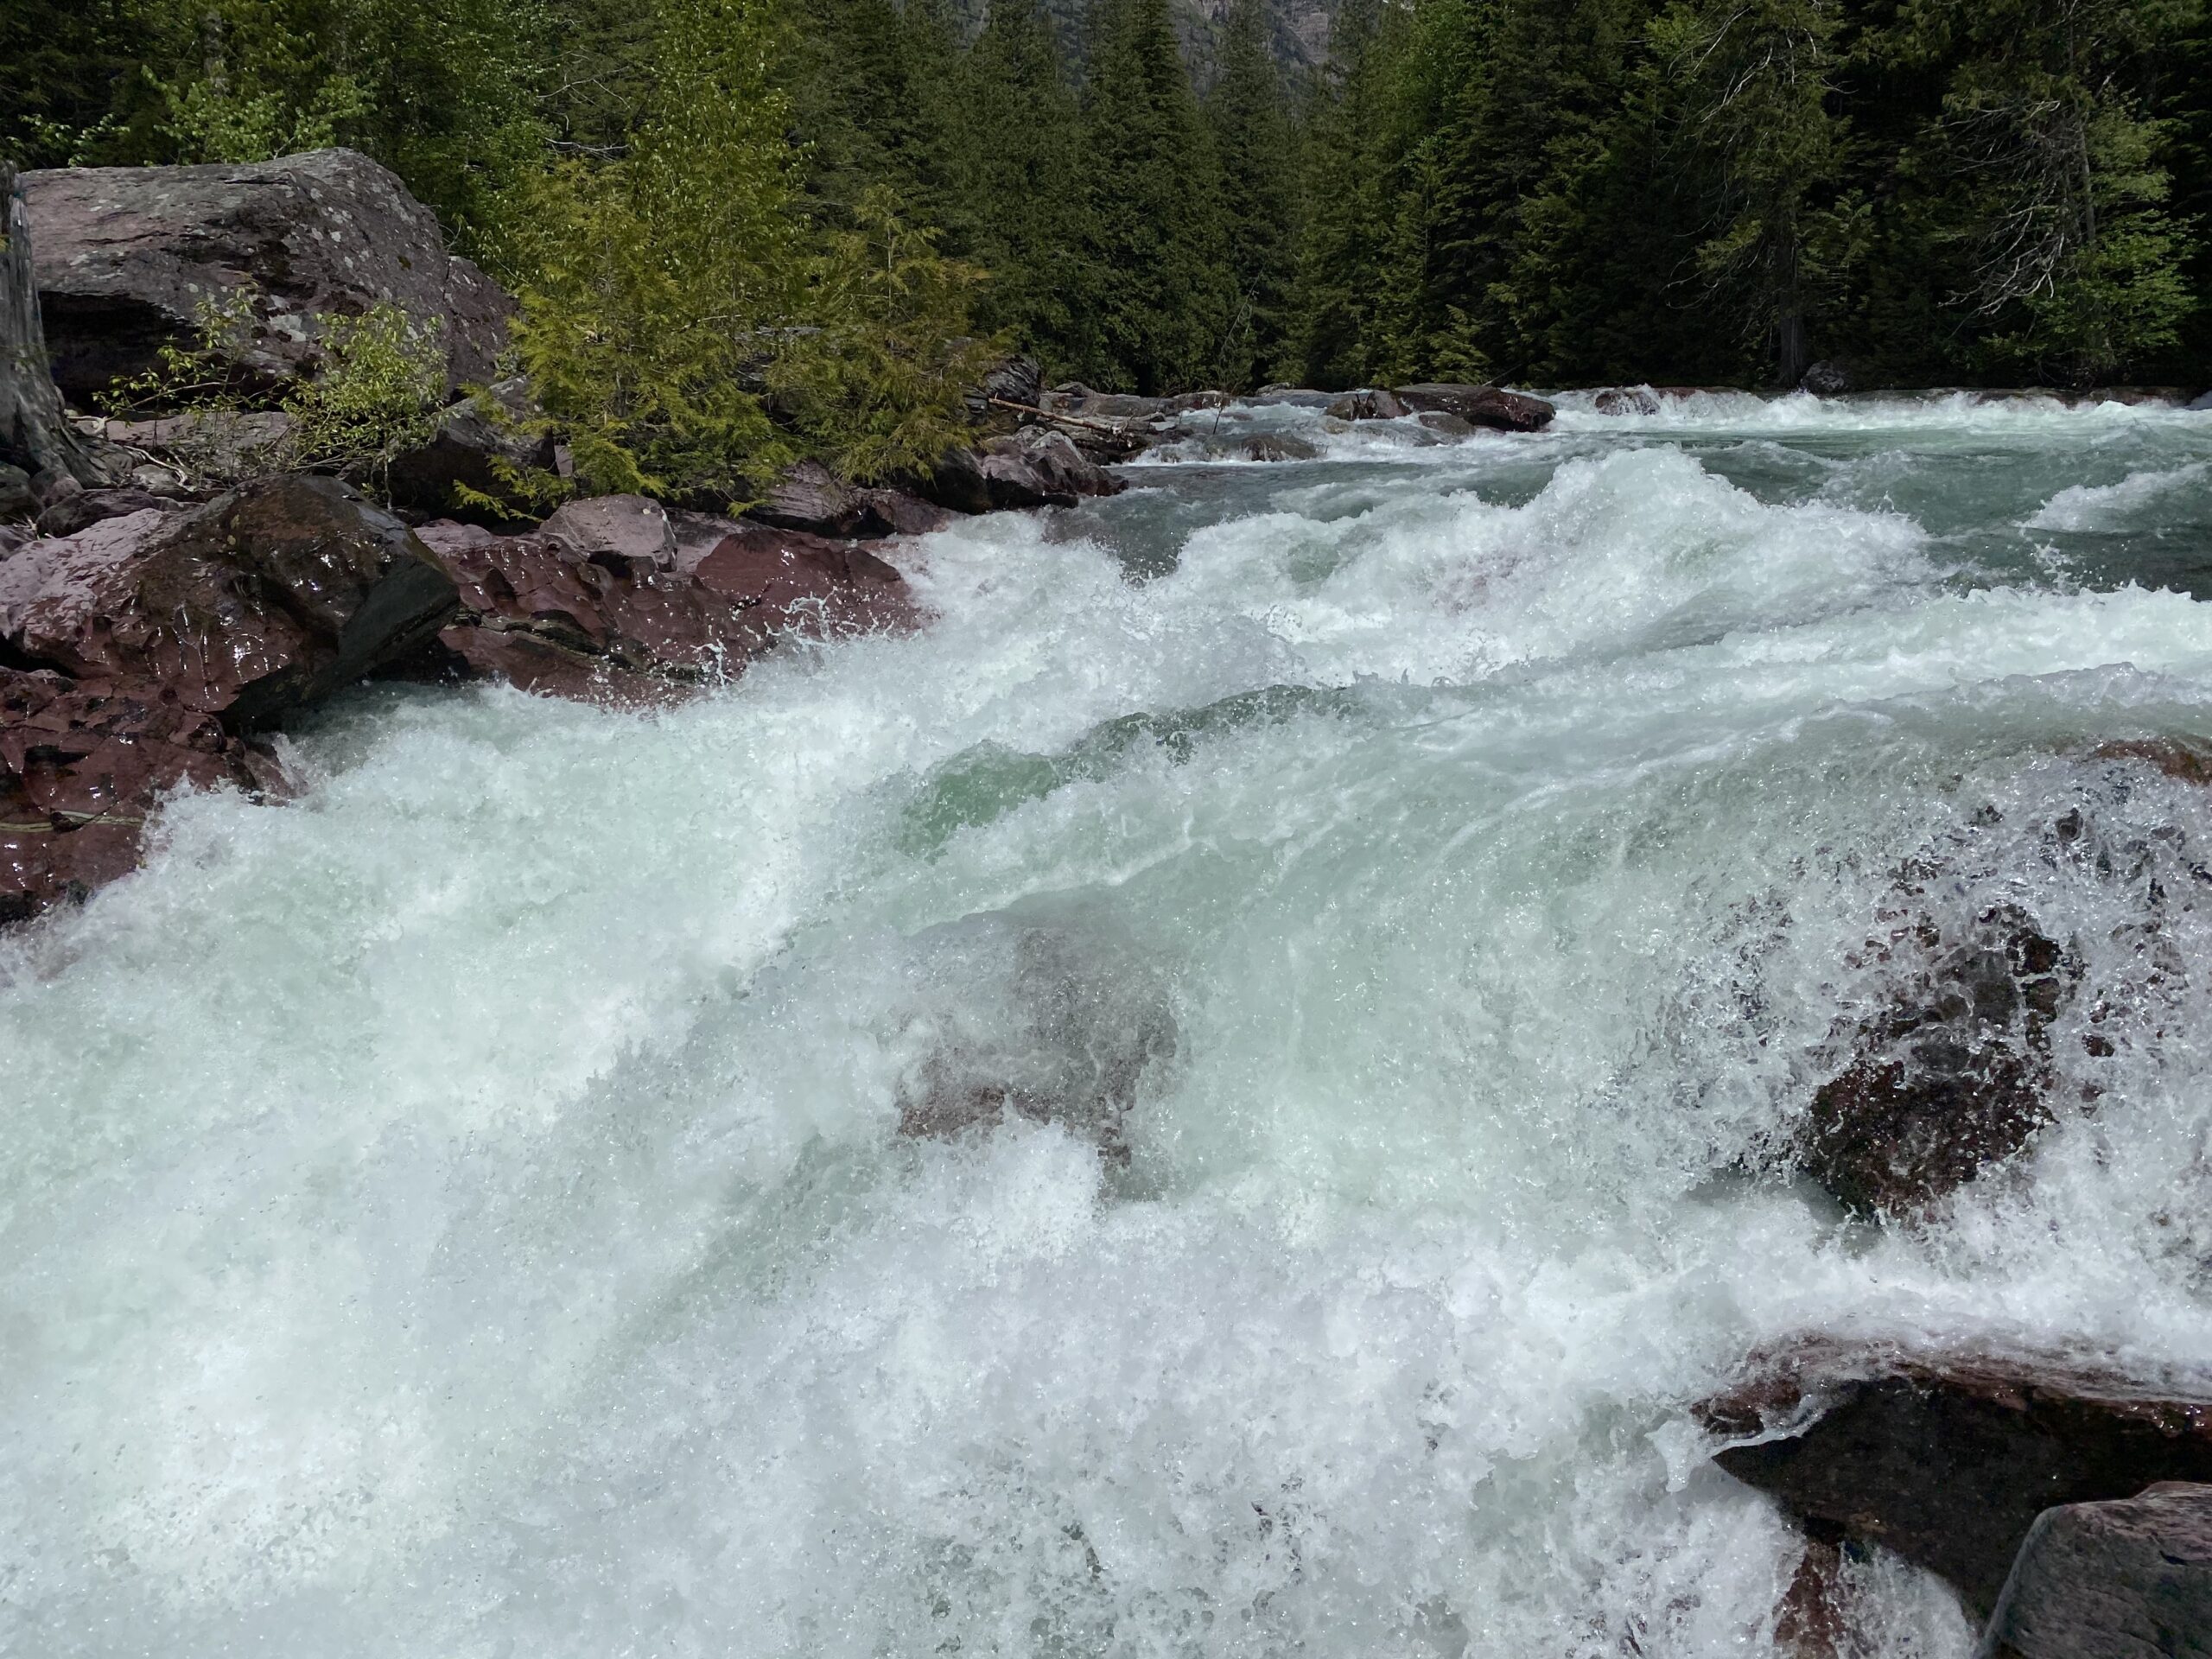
point(463, 1213)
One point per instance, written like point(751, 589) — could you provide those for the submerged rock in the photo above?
point(2113, 1580)
point(1948, 1458)
point(125, 255)
point(1275, 446)
point(1627, 400)
point(1055, 1023)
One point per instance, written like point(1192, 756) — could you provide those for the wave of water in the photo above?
point(464, 1211)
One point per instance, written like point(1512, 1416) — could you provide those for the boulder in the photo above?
point(1369, 405)
point(1948, 1458)
point(1075, 398)
point(2200, 404)
point(264, 600)
point(624, 532)
point(1275, 446)
point(810, 498)
point(472, 445)
point(1485, 406)
point(807, 585)
point(87, 507)
point(1040, 466)
point(124, 256)
point(957, 483)
point(1019, 380)
point(207, 446)
point(1445, 423)
point(15, 493)
point(2115, 1580)
point(1828, 379)
point(1952, 1077)
point(1626, 400)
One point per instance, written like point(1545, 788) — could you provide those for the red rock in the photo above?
point(1948, 1458)
point(807, 584)
point(616, 530)
point(1489, 406)
point(265, 600)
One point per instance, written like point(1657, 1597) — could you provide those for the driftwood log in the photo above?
point(34, 429)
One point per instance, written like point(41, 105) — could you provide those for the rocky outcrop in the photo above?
point(125, 255)
point(2116, 1580)
point(1485, 406)
point(1948, 1460)
point(637, 620)
point(1037, 467)
point(141, 655)
point(36, 435)
point(1954, 1077)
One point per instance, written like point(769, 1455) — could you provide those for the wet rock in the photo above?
point(2198, 405)
point(1019, 380)
point(13, 537)
point(1485, 406)
point(83, 764)
point(1952, 1077)
point(125, 255)
point(87, 507)
point(2114, 1581)
point(473, 446)
point(810, 498)
point(1948, 1458)
point(1369, 406)
point(958, 484)
point(1297, 396)
point(538, 615)
point(1627, 400)
point(264, 600)
point(624, 532)
point(1275, 446)
point(2178, 758)
point(15, 493)
point(1035, 1018)
point(1828, 379)
point(1445, 423)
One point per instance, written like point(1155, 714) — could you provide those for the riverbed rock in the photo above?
point(1368, 405)
point(84, 764)
point(1034, 1018)
point(126, 254)
point(623, 532)
point(1485, 406)
point(87, 507)
point(539, 614)
point(1626, 400)
point(1073, 398)
point(264, 600)
point(1038, 466)
point(2123, 1580)
point(1276, 446)
point(1952, 1077)
point(1828, 379)
point(811, 498)
point(1948, 1458)
point(15, 493)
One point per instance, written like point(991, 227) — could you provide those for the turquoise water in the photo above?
point(464, 1211)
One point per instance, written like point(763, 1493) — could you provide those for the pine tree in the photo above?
point(1024, 187)
point(1254, 142)
point(1162, 317)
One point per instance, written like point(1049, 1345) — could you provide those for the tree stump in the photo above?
point(34, 429)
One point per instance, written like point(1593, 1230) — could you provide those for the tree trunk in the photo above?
point(34, 431)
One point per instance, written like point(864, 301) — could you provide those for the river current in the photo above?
point(462, 1213)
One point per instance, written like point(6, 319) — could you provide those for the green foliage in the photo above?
point(875, 385)
point(265, 85)
point(1255, 145)
point(377, 394)
point(1161, 319)
point(663, 274)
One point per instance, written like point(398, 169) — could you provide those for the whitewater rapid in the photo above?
point(462, 1212)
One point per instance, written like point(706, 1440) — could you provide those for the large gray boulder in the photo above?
point(125, 255)
point(2117, 1580)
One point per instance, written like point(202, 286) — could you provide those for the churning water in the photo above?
point(463, 1212)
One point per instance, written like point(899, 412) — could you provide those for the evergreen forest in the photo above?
point(1546, 193)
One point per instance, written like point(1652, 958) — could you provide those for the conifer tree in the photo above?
point(1162, 315)
point(1253, 140)
point(1024, 185)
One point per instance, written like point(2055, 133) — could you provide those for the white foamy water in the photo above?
point(463, 1212)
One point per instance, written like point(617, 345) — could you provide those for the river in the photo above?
point(462, 1213)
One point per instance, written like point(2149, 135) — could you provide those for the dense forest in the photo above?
point(1546, 192)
